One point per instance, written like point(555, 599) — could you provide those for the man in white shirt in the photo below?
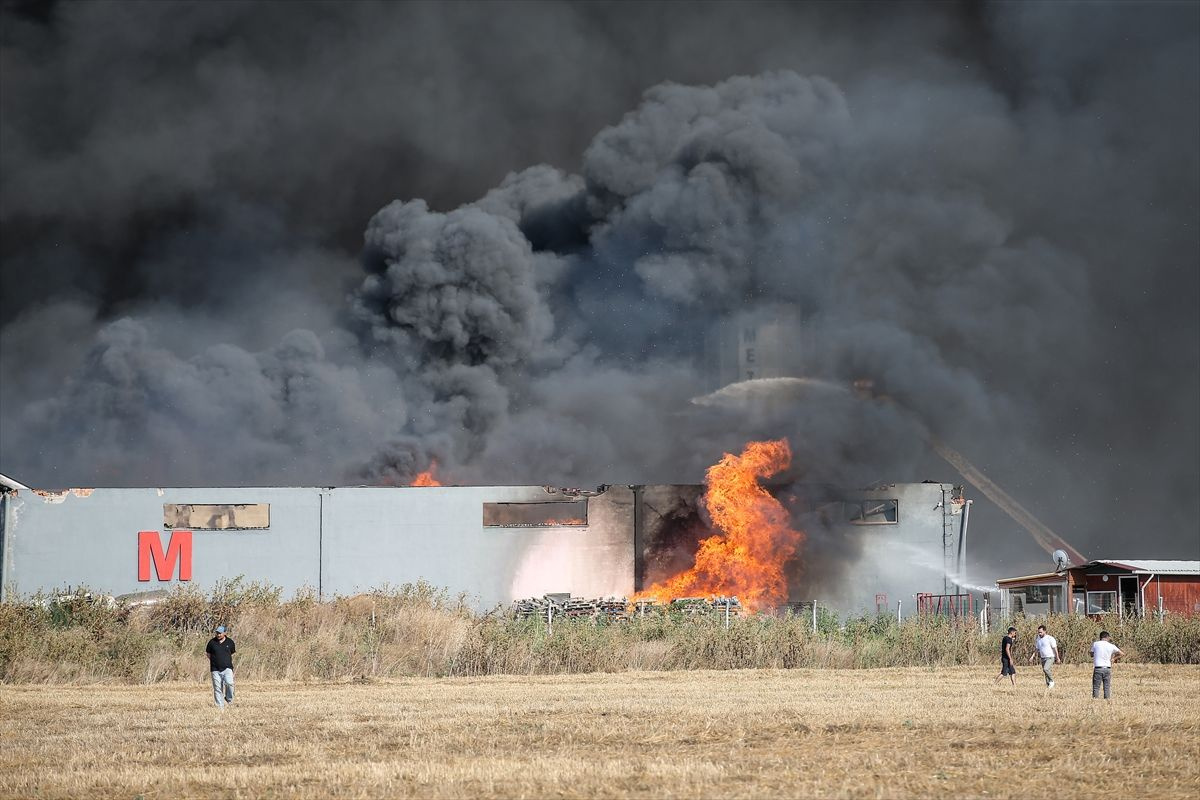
point(1047, 651)
point(1103, 653)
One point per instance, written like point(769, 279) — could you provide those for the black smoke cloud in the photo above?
point(989, 210)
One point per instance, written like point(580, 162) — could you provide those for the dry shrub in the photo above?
point(418, 630)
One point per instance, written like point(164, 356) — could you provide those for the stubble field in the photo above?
point(913, 732)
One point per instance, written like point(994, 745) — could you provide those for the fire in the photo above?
point(746, 559)
point(428, 477)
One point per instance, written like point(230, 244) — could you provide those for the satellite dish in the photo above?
point(1061, 561)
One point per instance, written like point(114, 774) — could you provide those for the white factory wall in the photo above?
point(336, 541)
point(915, 554)
point(351, 539)
point(90, 537)
point(376, 536)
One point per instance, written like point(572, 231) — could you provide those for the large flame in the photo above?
point(746, 559)
point(428, 477)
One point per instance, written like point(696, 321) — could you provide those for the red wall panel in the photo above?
point(1180, 594)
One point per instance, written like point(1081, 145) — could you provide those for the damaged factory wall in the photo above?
point(863, 548)
point(377, 535)
point(335, 541)
point(901, 539)
point(109, 539)
point(494, 543)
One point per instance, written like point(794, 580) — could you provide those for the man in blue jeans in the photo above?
point(220, 661)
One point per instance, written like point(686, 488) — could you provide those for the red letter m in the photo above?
point(150, 547)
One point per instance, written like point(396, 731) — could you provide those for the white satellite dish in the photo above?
point(1061, 561)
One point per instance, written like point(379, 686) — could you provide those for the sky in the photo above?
point(274, 243)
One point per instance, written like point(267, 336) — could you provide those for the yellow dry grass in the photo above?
point(946, 732)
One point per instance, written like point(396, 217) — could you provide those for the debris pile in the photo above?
point(531, 607)
point(618, 609)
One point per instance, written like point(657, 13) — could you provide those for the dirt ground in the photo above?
point(796, 733)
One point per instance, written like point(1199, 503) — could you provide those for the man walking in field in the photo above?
point(1047, 651)
point(1103, 653)
point(1006, 664)
point(220, 661)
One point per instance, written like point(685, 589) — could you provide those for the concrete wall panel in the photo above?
point(375, 536)
point(351, 539)
point(90, 536)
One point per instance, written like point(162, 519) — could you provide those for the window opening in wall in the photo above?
point(1101, 602)
point(551, 514)
point(217, 517)
point(1037, 594)
point(873, 512)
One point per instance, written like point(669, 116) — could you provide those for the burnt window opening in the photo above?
point(551, 514)
point(749, 355)
point(217, 517)
point(873, 512)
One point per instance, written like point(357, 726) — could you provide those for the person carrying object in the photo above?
point(220, 662)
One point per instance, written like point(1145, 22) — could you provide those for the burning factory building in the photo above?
point(740, 534)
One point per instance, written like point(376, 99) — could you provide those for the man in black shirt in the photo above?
point(220, 661)
point(1006, 662)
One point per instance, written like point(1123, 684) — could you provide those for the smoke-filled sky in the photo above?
point(309, 243)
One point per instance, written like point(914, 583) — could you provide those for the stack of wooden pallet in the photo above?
point(691, 606)
point(723, 604)
point(644, 608)
point(530, 607)
point(614, 609)
point(576, 607)
point(619, 608)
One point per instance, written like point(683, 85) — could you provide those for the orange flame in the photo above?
point(746, 559)
point(428, 477)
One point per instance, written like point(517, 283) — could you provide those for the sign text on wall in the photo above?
point(178, 551)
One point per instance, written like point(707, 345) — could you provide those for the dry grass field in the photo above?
point(912, 732)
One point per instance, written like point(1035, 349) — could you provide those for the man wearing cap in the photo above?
point(220, 661)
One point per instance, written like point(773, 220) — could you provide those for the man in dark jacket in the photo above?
point(220, 661)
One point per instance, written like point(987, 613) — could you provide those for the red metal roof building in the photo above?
point(1106, 586)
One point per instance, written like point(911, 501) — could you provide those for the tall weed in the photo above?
point(419, 630)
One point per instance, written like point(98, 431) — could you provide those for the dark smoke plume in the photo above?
point(987, 210)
